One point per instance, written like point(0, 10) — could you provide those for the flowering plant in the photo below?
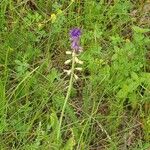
point(75, 35)
point(75, 39)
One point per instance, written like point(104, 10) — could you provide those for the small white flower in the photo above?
point(67, 61)
point(79, 68)
point(67, 71)
point(76, 77)
point(68, 52)
point(78, 61)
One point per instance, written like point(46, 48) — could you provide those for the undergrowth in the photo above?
point(109, 105)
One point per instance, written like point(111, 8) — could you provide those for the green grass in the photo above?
point(108, 108)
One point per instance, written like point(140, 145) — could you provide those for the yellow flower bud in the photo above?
point(53, 17)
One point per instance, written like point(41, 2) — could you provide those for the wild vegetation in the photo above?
point(108, 106)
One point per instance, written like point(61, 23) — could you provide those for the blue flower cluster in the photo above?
point(75, 40)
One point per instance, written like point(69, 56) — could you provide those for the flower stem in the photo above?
point(67, 95)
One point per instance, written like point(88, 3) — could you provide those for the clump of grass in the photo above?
point(107, 108)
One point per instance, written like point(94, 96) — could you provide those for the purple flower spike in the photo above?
point(75, 33)
point(75, 40)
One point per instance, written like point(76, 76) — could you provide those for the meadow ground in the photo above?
point(107, 108)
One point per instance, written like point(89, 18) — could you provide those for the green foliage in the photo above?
point(109, 105)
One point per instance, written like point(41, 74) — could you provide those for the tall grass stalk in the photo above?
point(67, 95)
